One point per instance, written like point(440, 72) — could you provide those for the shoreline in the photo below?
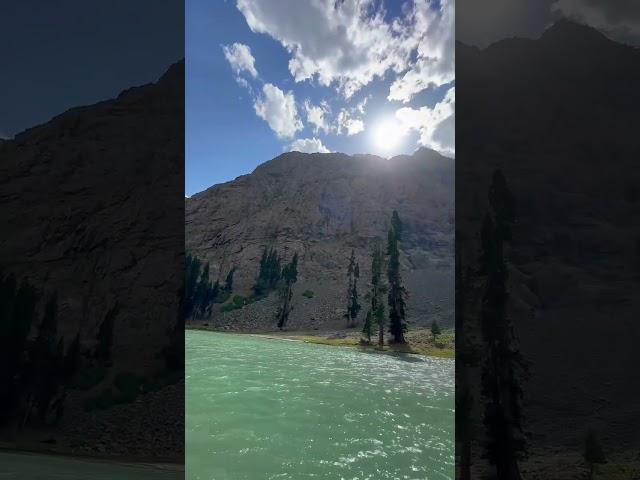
point(122, 461)
point(318, 338)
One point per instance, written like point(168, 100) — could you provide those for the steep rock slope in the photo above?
point(562, 126)
point(92, 211)
point(322, 206)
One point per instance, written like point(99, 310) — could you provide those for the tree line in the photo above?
point(273, 275)
point(37, 366)
point(393, 287)
point(200, 293)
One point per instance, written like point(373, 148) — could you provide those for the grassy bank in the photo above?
point(425, 349)
point(419, 341)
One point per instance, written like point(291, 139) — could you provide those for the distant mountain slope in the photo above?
point(321, 206)
point(559, 116)
point(92, 211)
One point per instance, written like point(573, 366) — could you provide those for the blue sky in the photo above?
point(265, 77)
point(59, 55)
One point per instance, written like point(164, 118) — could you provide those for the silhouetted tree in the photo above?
point(397, 292)
point(377, 290)
point(465, 358)
point(593, 453)
point(504, 367)
point(396, 225)
point(17, 314)
point(46, 368)
point(192, 275)
point(199, 292)
point(353, 307)
point(105, 335)
point(269, 273)
point(502, 204)
point(435, 329)
point(367, 328)
point(72, 358)
point(228, 282)
point(289, 277)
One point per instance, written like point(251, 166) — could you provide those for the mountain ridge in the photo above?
point(321, 206)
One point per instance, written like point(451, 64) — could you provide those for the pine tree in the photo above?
point(504, 367)
point(289, 276)
point(466, 357)
point(202, 292)
point(397, 292)
point(269, 273)
point(367, 328)
point(593, 453)
point(377, 290)
point(435, 330)
point(396, 225)
point(228, 283)
point(17, 314)
point(45, 370)
point(192, 274)
point(105, 335)
point(353, 307)
point(72, 358)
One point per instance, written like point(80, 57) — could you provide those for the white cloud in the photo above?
point(349, 43)
point(435, 61)
point(436, 125)
point(347, 124)
point(278, 110)
point(308, 145)
point(316, 116)
point(240, 58)
point(362, 104)
point(619, 19)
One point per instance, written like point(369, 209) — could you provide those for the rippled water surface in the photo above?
point(19, 466)
point(260, 408)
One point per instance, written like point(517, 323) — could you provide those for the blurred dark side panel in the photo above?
point(92, 242)
point(548, 249)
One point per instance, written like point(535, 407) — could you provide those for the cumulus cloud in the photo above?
point(618, 18)
point(316, 116)
point(347, 124)
point(349, 43)
point(308, 145)
point(483, 23)
point(240, 58)
point(436, 125)
point(279, 110)
point(434, 34)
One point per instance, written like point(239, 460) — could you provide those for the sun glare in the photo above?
point(387, 134)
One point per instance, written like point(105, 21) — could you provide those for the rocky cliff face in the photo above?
point(92, 211)
point(561, 125)
point(322, 206)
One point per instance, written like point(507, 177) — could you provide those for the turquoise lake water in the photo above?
point(259, 408)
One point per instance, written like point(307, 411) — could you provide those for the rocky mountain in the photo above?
point(322, 206)
point(558, 115)
point(92, 212)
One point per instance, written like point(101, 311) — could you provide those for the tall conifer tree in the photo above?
point(397, 292)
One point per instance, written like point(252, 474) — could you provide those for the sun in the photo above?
point(387, 134)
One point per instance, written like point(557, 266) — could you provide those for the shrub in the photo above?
point(237, 303)
point(90, 376)
point(308, 293)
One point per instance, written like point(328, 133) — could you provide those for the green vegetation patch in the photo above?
point(90, 376)
point(430, 350)
point(237, 303)
point(126, 387)
point(308, 293)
